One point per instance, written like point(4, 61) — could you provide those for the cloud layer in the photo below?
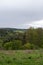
point(21, 13)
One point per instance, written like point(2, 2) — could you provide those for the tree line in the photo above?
point(21, 39)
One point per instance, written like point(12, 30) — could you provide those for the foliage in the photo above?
point(13, 45)
point(28, 46)
point(21, 57)
point(21, 38)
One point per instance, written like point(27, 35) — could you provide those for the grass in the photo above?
point(21, 57)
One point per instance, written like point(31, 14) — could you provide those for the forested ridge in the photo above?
point(15, 39)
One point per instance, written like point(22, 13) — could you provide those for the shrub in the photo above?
point(14, 45)
point(28, 46)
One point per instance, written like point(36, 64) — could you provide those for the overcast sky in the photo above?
point(21, 13)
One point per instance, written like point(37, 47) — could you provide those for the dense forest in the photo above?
point(15, 39)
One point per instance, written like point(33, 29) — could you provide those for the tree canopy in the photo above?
point(21, 38)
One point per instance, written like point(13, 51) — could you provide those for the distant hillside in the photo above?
point(12, 29)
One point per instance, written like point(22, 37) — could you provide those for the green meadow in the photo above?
point(21, 57)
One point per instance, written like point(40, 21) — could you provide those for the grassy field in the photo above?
point(21, 57)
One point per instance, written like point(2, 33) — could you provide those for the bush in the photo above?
point(28, 46)
point(14, 45)
point(8, 45)
point(17, 44)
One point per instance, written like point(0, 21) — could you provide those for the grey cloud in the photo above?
point(16, 16)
